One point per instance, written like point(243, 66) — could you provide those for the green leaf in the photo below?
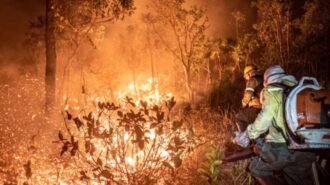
point(176, 125)
point(178, 142)
point(141, 144)
point(144, 104)
point(64, 149)
point(130, 101)
point(142, 119)
point(120, 113)
point(99, 162)
point(87, 146)
point(153, 125)
point(204, 172)
point(170, 103)
point(74, 148)
point(60, 136)
point(96, 169)
point(28, 169)
point(217, 162)
point(78, 122)
point(106, 174)
point(138, 131)
point(100, 105)
point(126, 4)
point(177, 161)
point(83, 175)
point(160, 117)
point(68, 115)
point(160, 130)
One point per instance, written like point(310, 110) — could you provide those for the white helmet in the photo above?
point(273, 74)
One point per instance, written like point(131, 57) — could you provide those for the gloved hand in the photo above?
point(242, 139)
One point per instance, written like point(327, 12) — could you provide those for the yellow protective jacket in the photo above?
point(270, 117)
point(251, 93)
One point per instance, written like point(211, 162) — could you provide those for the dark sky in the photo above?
point(14, 19)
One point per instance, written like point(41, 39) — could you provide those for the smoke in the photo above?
point(14, 19)
point(15, 16)
point(222, 23)
point(125, 41)
point(124, 55)
point(121, 58)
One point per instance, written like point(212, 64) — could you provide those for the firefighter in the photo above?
point(274, 154)
point(250, 102)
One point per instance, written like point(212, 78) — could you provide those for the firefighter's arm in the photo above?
point(248, 94)
point(264, 119)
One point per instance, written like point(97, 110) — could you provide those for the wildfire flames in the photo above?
point(148, 92)
point(132, 143)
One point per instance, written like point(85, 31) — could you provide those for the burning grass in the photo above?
point(141, 141)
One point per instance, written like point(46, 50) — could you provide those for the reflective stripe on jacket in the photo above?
point(251, 93)
point(271, 116)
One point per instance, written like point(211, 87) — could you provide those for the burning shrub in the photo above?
point(127, 144)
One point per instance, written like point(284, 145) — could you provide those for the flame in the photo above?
point(148, 92)
point(152, 134)
point(130, 161)
point(63, 183)
point(126, 136)
point(131, 87)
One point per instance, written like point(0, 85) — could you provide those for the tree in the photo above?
point(73, 22)
point(311, 42)
point(294, 36)
point(186, 39)
point(50, 43)
point(239, 18)
point(273, 28)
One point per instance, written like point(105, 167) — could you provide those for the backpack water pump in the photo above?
point(307, 113)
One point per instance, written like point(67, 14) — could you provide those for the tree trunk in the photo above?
point(50, 43)
point(288, 39)
point(153, 83)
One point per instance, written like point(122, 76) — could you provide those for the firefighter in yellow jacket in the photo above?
point(253, 87)
point(274, 154)
point(250, 102)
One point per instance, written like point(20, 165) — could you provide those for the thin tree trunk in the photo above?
point(134, 82)
point(279, 39)
point(153, 83)
point(50, 42)
point(288, 38)
point(210, 73)
point(236, 25)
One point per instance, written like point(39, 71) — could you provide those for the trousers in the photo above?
point(296, 166)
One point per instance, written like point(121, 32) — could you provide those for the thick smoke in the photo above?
point(125, 41)
point(15, 16)
point(122, 57)
point(14, 19)
point(220, 15)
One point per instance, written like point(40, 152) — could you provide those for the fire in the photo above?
point(148, 92)
point(132, 149)
point(130, 161)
